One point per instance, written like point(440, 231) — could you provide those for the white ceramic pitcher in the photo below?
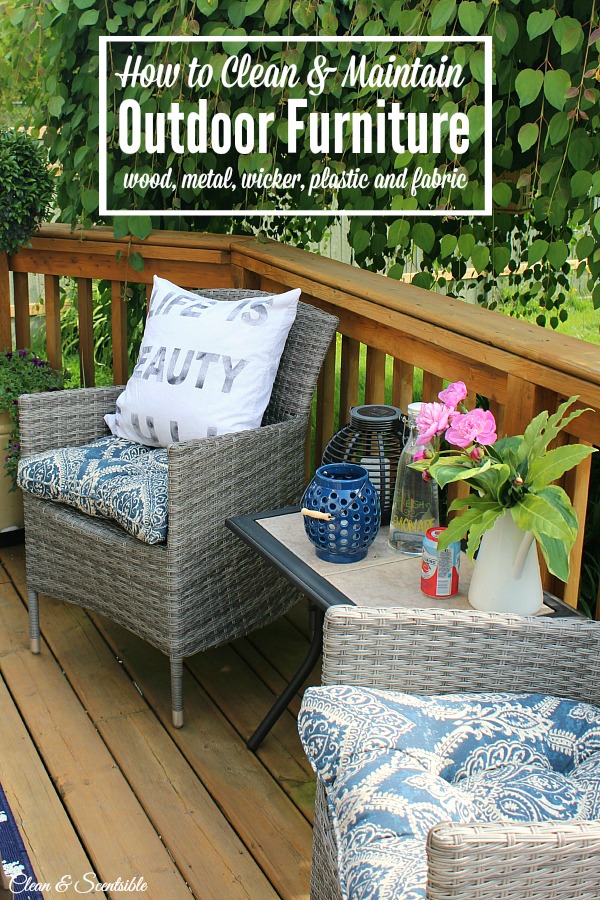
point(506, 577)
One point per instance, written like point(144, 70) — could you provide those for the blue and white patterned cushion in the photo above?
point(110, 477)
point(393, 765)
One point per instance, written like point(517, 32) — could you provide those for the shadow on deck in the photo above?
point(99, 781)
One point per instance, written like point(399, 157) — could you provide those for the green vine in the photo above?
point(546, 119)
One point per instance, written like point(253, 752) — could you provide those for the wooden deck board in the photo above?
point(231, 824)
point(52, 843)
point(93, 789)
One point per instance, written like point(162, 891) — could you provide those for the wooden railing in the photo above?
point(520, 368)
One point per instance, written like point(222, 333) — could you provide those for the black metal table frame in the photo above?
point(320, 593)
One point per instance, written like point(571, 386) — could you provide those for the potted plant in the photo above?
point(514, 503)
point(27, 191)
point(21, 372)
point(27, 188)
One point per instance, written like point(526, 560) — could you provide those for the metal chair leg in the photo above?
point(177, 690)
point(34, 621)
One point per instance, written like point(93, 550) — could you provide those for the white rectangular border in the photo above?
point(105, 40)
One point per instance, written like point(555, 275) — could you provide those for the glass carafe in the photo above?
point(416, 505)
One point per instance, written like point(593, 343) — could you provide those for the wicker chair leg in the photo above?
point(34, 621)
point(177, 690)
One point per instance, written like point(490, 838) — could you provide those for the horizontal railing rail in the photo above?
point(519, 367)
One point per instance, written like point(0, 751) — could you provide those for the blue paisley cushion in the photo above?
point(393, 765)
point(110, 477)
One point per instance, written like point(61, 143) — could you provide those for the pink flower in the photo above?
point(453, 394)
point(477, 453)
point(431, 421)
point(419, 455)
point(478, 426)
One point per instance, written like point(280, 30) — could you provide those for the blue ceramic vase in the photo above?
point(343, 491)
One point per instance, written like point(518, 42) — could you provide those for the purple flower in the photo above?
point(22, 353)
point(476, 426)
point(453, 394)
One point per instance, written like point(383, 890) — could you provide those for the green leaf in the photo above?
point(471, 16)
point(480, 257)
point(539, 22)
point(556, 85)
point(491, 479)
point(55, 105)
point(447, 245)
point(207, 8)
point(556, 555)
point(360, 240)
point(397, 231)
point(502, 194)
point(535, 513)
point(89, 200)
point(274, 11)
point(537, 251)
point(568, 33)
point(528, 85)
point(477, 66)
point(528, 135)
point(478, 528)
point(88, 19)
point(557, 254)
point(501, 258)
point(140, 226)
point(581, 151)
point(558, 128)
point(581, 182)
point(424, 236)
point(120, 227)
point(506, 32)
point(136, 261)
point(457, 528)
point(466, 244)
point(445, 473)
point(585, 246)
point(304, 13)
point(558, 421)
point(443, 12)
point(557, 497)
point(555, 463)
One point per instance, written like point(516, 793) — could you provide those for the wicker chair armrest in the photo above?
point(64, 418)
point(435, 652)
point(233, 474)
point(542, 861)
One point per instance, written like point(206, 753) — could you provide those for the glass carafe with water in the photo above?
point(416, 505)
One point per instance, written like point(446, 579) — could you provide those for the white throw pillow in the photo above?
point(205, 366)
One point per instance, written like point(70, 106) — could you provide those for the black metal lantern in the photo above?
point(373, 439)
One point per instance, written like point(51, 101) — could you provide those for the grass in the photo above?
point(583, 320)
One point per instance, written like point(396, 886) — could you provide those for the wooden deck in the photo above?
point(101, 783)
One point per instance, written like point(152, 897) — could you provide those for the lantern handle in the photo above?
point(315, 514)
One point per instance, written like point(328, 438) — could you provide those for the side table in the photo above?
point(384, 578)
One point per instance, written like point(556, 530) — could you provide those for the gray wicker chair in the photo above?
point(201, 587)
point(427, 652)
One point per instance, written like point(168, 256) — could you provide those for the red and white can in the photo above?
point(439, 569)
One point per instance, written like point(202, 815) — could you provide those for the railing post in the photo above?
point(5, 328)
point(86, 331)
point(53, 338)
point(525, 400)
point(22, 321)
point(375, 376)
point(118, 306)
